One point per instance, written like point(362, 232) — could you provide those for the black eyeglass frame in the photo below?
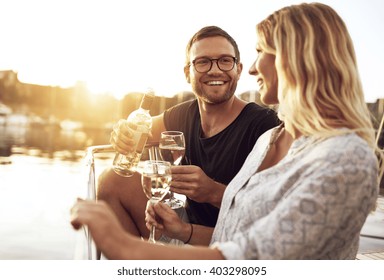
point(217, 63)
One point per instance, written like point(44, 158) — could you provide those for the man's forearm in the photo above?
point(217, 196)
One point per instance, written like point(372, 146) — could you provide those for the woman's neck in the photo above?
point(294, 133)
point(278, 149)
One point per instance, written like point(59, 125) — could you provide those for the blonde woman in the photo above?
point(306, 188)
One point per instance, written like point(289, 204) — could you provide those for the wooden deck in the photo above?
point(372, 235)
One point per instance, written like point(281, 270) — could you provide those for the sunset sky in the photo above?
point(119, 46)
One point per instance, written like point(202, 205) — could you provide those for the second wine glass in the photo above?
point(155, 179)
point(172, 149)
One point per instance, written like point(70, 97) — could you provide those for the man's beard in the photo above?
point(214, 98)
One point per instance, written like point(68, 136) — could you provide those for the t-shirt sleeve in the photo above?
point(263, 120)
point(177, 115)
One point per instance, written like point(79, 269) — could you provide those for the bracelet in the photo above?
point(190, 236)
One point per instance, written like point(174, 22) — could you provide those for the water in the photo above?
point(36, 194)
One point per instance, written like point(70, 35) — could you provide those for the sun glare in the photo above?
point(118, 46)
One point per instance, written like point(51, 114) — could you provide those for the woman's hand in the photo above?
point(105, 228)
point(166, 221)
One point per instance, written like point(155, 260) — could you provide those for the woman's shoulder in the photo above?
point(348, 148)
point(345, 142)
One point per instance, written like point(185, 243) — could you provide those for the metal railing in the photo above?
point(150, 153)
point(91, 250)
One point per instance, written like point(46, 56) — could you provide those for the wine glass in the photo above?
point(155, 179)
point(172, 149)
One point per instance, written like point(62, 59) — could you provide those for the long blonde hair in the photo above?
point(319, 83)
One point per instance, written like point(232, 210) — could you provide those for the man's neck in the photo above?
point(216, 117)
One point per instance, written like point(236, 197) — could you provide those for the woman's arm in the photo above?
point(115, 243)
point(136, 249)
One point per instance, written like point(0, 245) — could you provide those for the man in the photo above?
point(220, 130)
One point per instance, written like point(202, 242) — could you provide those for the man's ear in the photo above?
point(187, 73)
point(239, 69)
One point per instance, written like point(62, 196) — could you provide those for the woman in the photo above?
point(307, 187)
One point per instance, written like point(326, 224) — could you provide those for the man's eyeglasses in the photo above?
point(204, 64)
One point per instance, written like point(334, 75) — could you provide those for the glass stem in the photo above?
point(171, 199)
point(171, 195)
point(151, 238)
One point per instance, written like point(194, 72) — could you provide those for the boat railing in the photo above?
point(90, 252)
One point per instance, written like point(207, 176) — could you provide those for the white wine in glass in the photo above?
point(155, 179)
point(172, 149)
point(172, 153)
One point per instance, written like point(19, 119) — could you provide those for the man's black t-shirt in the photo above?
point(222, 155)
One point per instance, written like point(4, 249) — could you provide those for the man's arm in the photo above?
point(158, 126)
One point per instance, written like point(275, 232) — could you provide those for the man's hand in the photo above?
point(191, 181)
point(121, 137)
